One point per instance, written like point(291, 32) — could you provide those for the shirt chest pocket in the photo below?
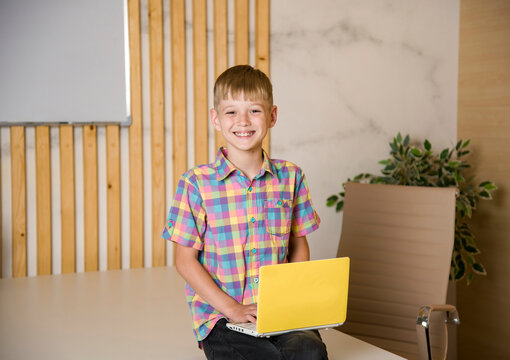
point(278, 216)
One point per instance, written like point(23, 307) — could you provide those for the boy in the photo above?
point(230, 217)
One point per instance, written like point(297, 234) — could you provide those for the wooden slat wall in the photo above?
point(179, 128)
point(19, 202)
point(241, 32)
point(178, 68)
point(157, 103)
point(113, 195)
point(42, 145)
point(200, 88)
point(90, 190)
point(262, 11)
point(220, 50)
point(1, 231)
point(70, 213)
point(135, 140)
point(67, 198)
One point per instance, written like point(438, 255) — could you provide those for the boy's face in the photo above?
point(243, 123)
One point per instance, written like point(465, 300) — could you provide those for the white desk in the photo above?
point(128, 314)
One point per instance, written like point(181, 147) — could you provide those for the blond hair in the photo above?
point(243, 81)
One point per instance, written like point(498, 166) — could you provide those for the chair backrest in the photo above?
point(400, 240)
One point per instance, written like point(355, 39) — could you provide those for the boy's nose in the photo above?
point(243, 119)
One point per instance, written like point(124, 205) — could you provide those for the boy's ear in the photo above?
point(274, 115)
point(214, 119)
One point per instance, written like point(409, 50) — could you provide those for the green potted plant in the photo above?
point(418, 165)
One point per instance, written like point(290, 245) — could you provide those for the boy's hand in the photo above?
point(186, 261)
point(243, 313)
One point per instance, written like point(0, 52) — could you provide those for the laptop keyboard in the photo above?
point(249, 326)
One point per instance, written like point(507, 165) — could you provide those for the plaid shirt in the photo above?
point(238, 225)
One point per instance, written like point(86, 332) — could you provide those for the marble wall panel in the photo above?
point(349, 75)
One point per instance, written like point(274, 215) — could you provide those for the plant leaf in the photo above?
point(393, 147)
point(443, 154)
point(427, 145)
point(458, 178)
point(485, 195)
point(339, 206)
point(479, 269)
point(416, 152)
point(489, 186)
point(459, 273)
point(466, 143)
point(331, 200)
point(471, 249)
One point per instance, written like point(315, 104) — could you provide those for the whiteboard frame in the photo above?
point(126, 119)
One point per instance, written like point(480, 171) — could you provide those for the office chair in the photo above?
point(400, 241)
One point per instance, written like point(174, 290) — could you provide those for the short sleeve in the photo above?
point(186, 223)
point(304, 218)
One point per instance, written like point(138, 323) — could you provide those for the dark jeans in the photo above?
point(225, 344)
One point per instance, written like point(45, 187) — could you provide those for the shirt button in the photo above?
point(250, 189)
point(256, 280)
point(254, 251)
point(279, 203)
point(252, 219)
point(170, 224)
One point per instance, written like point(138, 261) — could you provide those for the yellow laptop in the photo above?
point(300, 296)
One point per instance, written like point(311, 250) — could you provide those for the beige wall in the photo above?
point(484, 116)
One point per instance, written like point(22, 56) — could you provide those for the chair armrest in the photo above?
point(452, 315)
point(423, 324)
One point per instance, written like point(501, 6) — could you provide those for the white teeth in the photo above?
point(243, 134)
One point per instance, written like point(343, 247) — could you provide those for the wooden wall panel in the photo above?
point(113, 196)
point(19, 202)
point(241, 32)
point(1, 230)
point(220, 50)
point(135, 140)
point(262, 32)
point(67, 198)
point(90, 190)
point(484, 117)
point(157, 94)
point(179, 101)
point(43, 198)
point(200, 89)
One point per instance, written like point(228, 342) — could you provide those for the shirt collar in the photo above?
point(268, 165)
point(224, 167)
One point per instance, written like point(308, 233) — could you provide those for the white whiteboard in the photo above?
point(64, 62)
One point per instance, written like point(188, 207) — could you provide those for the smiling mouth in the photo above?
point(244, 133)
